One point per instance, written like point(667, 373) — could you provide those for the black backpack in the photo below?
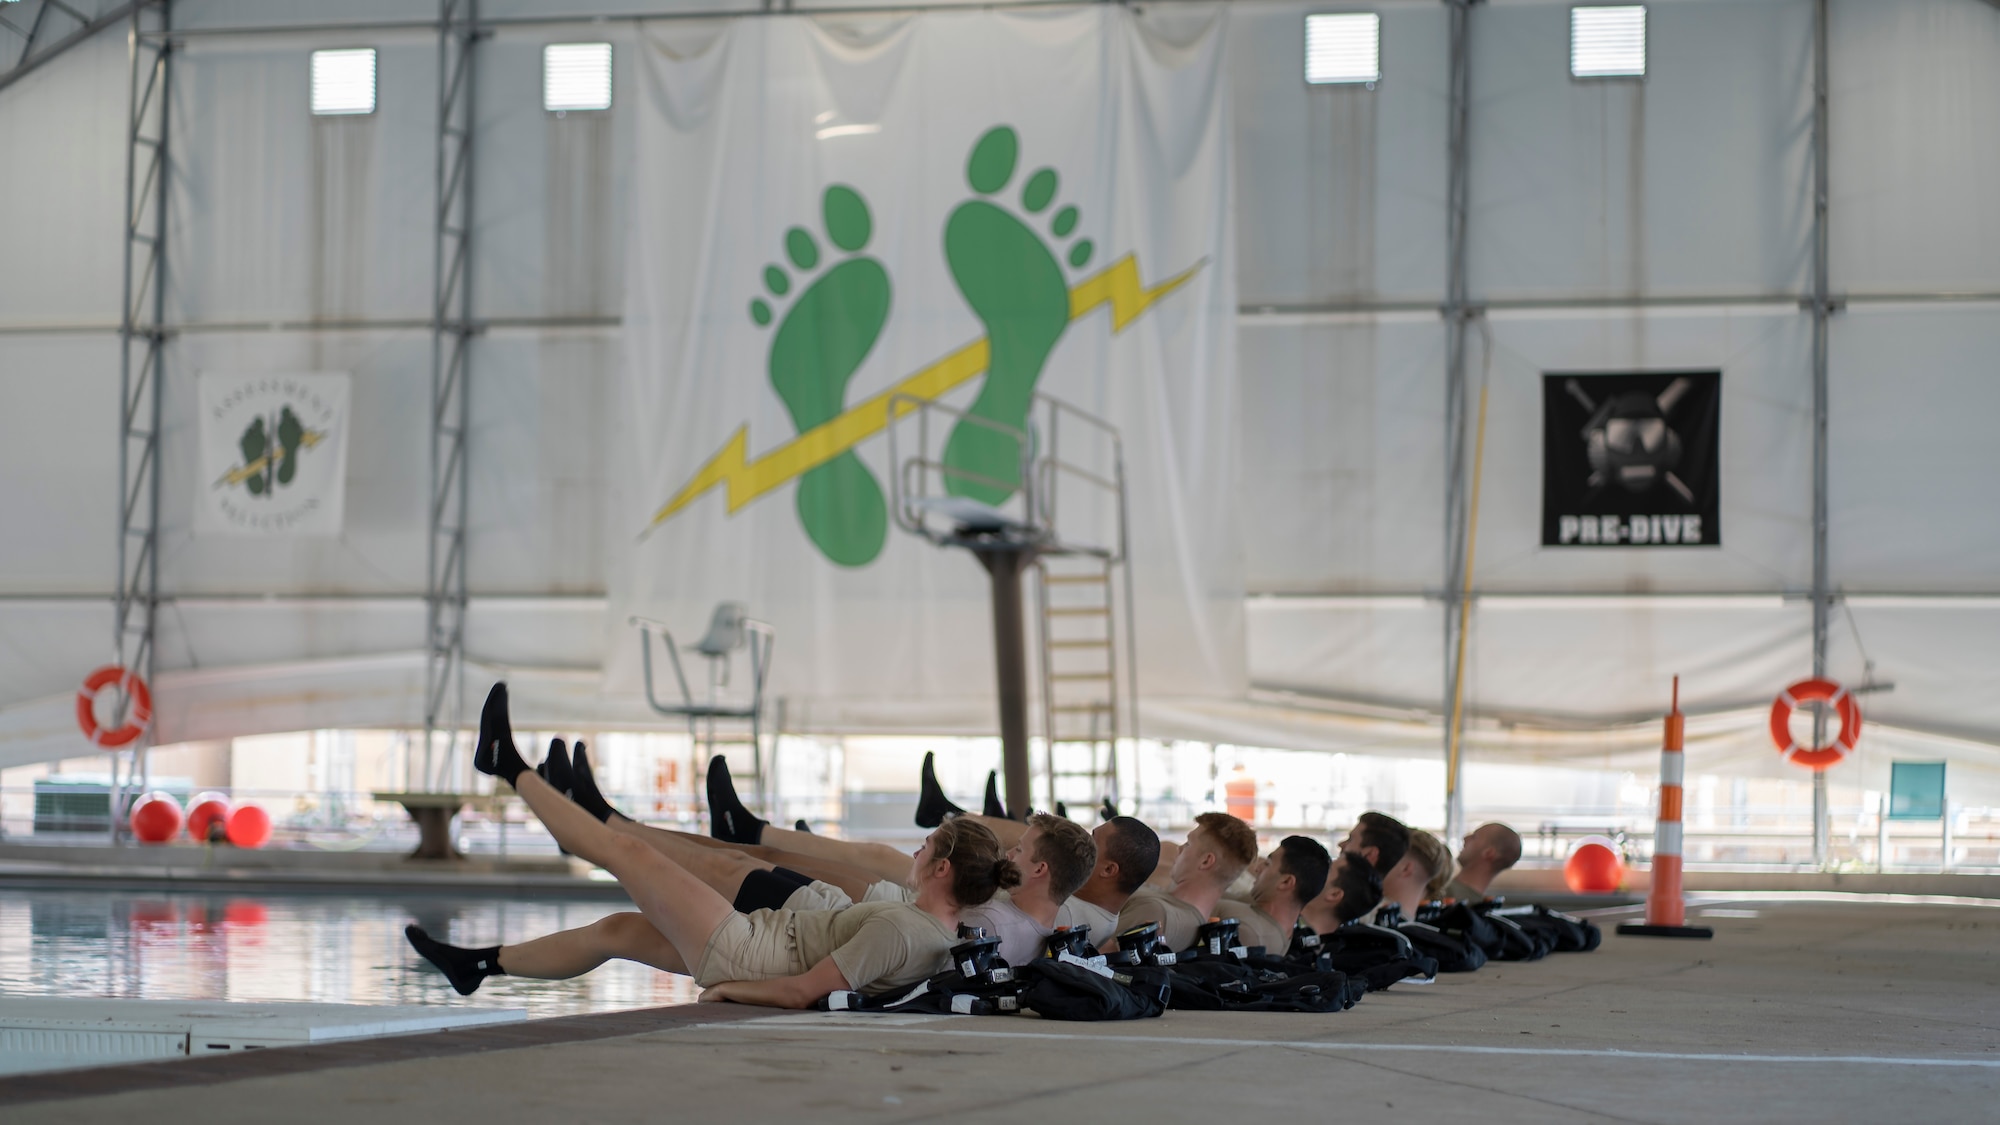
point(1058, 990)
point(1515, 943)
point(1564, 933)
point(1453, 952)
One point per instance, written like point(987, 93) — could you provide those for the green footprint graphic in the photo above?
point(1009, 275)
point(254, 443)
point(290, 433)
point(816, 349)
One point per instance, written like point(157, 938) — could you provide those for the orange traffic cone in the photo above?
point(1666, 910)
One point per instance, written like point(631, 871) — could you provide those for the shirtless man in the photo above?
point(1292, 875)
point(1489, 850)
point(1218, 848)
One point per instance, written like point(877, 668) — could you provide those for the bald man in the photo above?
point(1489, 850)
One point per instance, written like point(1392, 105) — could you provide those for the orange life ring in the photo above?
point(1819, 757)
point(136, 717)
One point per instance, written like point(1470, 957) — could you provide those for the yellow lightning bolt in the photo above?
point(1117, 285)
point(237, 476)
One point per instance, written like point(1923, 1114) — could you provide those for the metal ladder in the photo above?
point(1080, 681)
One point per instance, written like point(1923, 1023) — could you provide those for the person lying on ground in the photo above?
point(777, 957)
point(1218, 848)
point(1489, 850)
point(570, 773)
point(1127, 852)
point(1353, 889)
point(1054, 856)
point(1408, 884)
point(1284, 881)
point(1378, 837)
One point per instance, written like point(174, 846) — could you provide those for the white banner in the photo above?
point(273, 454)
point(971, 206)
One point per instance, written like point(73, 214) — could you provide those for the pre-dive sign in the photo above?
point(1629, 459)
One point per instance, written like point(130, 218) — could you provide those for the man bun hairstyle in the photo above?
point(1388, 836)
point(1360, 887)
point(1435, 858)
point(1307, 862)
point(1135, 848)
point(1235, 843)
point(1068, 850)
point(979, 868)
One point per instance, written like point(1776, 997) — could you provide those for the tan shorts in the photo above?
point(754, 946)
point(819, 896)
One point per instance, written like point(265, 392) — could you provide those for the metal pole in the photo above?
point(451, 331)
point(1455, 313)
point(1010, 666)
point(142, 313)
point(1821, 309)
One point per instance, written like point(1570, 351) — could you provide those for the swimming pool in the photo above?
point(265, 946)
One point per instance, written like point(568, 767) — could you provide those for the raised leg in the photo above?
point(878, 860)
point(678, 903)
point(571, 953)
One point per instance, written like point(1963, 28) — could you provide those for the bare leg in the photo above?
point(878, 860)
point(723, 866)
point(682, 907)
point(723, 869)
point(1009, 831)
point(572, 953)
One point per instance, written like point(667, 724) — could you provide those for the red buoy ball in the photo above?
point(249, 827)
point(208, 817)
point(156, 818)
point(1594, 868)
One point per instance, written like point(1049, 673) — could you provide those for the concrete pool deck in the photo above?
point(1798, 1010)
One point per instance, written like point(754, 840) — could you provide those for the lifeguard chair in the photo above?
point(730, 630)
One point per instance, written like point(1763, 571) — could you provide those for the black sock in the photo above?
point(583, 788)
point(465, 968)
point(1107, 810)
point(802, 826)
point(993, 805)
point(932, 805)
point(555, 768)
point(1062, 810)
point(729, 819)
point(495, 753)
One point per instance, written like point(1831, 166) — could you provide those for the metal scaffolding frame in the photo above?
point(1457, 312)
point(452, 329)
point(40, 39)
point(142, 337)
point(1823, 307)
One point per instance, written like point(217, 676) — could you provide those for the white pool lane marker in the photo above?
point(908, 1026)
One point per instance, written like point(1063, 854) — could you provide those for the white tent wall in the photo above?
point(304, 244)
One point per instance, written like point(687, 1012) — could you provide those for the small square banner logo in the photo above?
point(1629, 459)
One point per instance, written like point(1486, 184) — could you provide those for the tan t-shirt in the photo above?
point(1463, 893)
point(1257, 927)
point(1178, 920)
point(1075, 912)
point(882, 890)
point(1021, 937)
point(878, 946)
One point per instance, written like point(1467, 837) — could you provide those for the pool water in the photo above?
point(324, 948)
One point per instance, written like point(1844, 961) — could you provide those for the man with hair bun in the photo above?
point(1218, 849)
point(1490, 849)
point(1292, 875)
point(773, 956)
